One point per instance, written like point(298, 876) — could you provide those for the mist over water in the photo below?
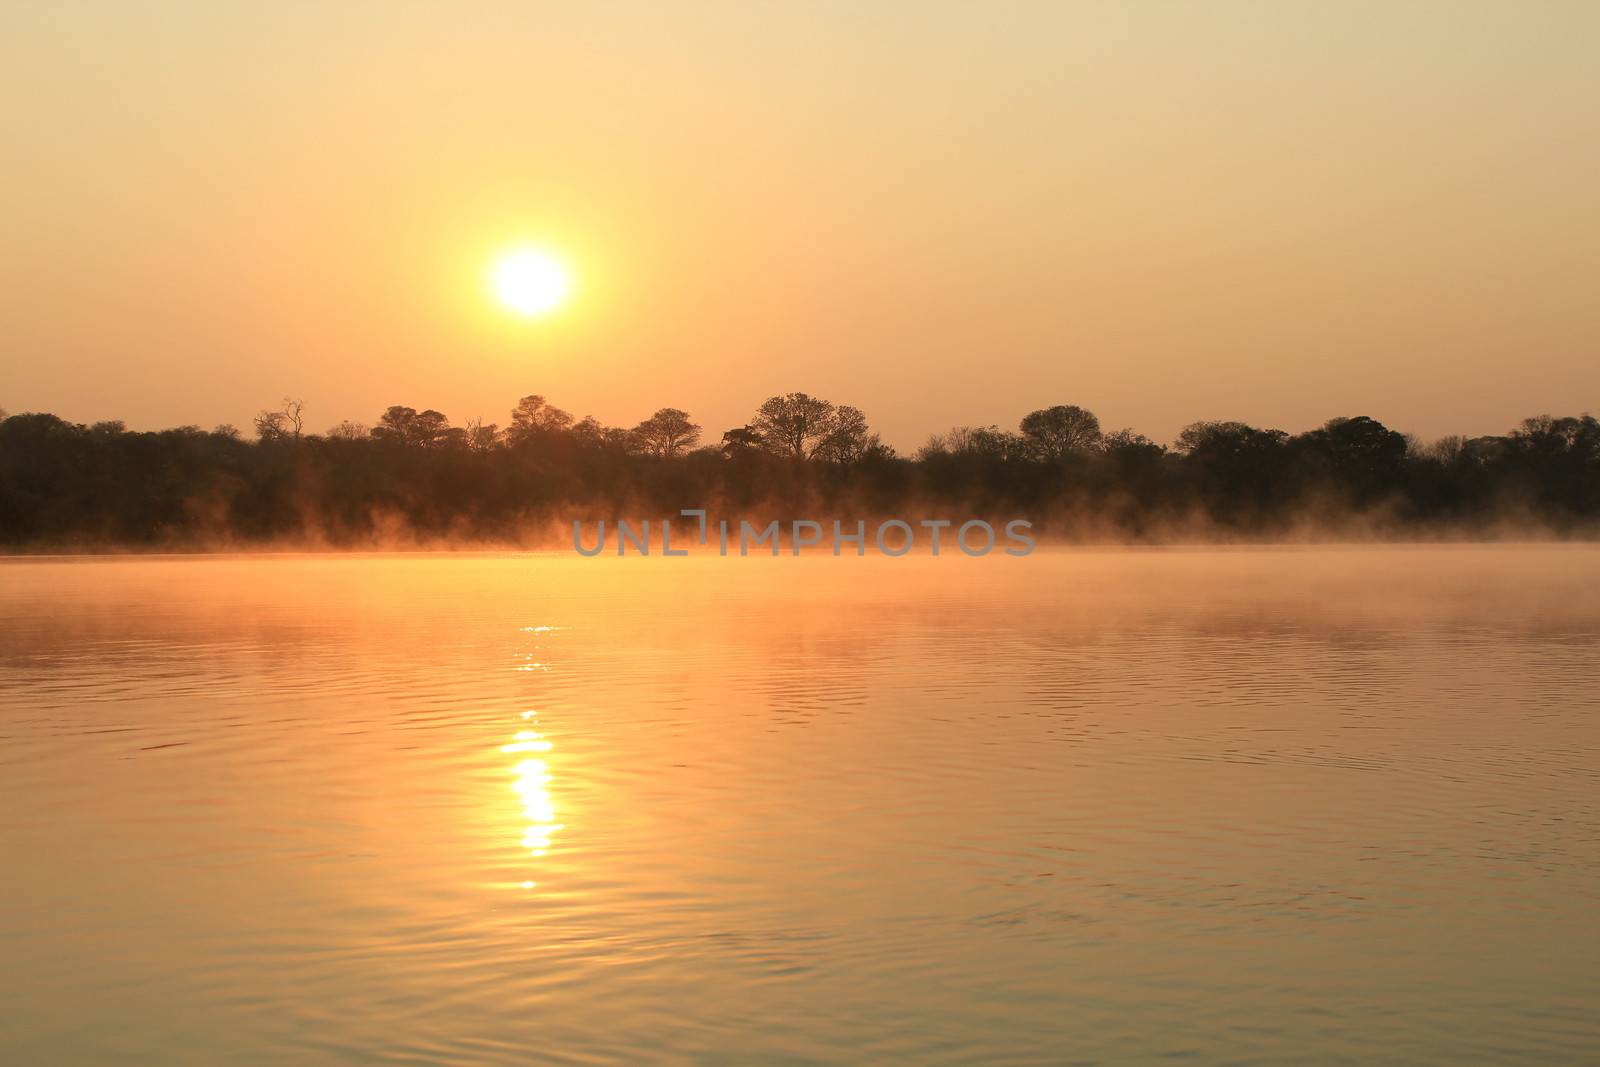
point(1255, 805)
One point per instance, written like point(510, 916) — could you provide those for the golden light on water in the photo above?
point(530, 282)
point(532, 786)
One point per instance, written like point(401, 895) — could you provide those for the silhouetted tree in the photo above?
point(1225, 439)
point(271, 425)
point(849, 440)
point(1238, 470)
point(1135, 460)
point(1056, 432)
point(480, 436)
point(591, 435)
point(795, 424)
point(1358, 456)
point(1557, 462)
point(283, 423)
point(412, 428)
point(741, 441)
point(294, 416)
point(395, 425)
point(667, 433)
point(348, 431)
point(430, 428)
point(988, 441)
point(806, 427)
point(533, 419)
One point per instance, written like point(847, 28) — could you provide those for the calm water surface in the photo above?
point(1313, 805)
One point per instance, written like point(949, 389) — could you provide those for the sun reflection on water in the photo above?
point(532, 785)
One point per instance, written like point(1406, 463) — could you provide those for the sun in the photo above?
point(530, 282)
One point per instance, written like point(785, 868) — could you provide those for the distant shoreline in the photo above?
point(413, 481)
point(60, 552)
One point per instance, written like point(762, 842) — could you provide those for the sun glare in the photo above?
point(530, 282)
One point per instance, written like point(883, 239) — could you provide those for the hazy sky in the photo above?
point(939, 212)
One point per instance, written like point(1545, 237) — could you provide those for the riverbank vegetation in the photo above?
point(414, 478)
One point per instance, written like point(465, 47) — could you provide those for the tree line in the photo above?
point(412, 476)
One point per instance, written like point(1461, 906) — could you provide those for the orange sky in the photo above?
point(939, 212)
